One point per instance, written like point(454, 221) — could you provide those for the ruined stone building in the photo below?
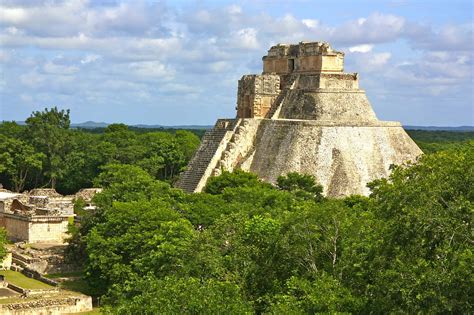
point(302, 114)
point(39, 216)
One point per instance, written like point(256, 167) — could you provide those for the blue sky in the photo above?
point(178, 62)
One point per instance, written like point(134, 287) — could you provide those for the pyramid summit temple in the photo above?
point(302, 114)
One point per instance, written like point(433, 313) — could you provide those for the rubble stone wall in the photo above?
point(74, 304)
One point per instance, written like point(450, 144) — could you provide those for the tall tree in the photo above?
point(48, 133)
point(18, 160)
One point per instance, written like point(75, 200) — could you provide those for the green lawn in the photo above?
point(64, 274)
point(23, 281)
point(79, 285)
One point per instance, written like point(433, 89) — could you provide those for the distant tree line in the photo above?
point(436, 140)
point(46, 152)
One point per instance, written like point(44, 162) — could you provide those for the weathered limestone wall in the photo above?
point(17, 229)
point(324, 63)
point(337, 81)
point(303, 57)
point(35, 229)
point(240, 146)
point(256, 94)
point(73, 304)
point(342, 158)
point(47, 230)
point(328, 105)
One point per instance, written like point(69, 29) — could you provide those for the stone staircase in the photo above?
point(225, 161)
point(276, 106)
point(214, 139)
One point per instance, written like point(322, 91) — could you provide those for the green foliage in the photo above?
point(3, 242)
point(18, 161)
point(46, 152)
point(172, 295)
point(239, 178)
point(48, 132)
point(426, 215)
point(136, 238)
point(322, 295)
point(302, 185)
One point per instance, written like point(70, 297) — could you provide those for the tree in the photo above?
point(18, 160)
point(302, 185)
point(172, 295)
point(322, 295)
point(238, 178)
point(3, 242)
point(135, 239)
point(423, 262)
point(48, 133)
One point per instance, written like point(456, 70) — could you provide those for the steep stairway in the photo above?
point(213, 140)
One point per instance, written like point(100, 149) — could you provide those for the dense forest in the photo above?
point(245, 246)
point(47, 153)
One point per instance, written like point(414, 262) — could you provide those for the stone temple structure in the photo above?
point(302, 114)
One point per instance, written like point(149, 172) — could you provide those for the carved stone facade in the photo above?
point(303, 114)
point(256, 94)
point(303, 57)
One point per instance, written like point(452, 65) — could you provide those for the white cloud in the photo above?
point(371, 62)
point(150, 69)
point(53, 68)
point(13, 15)
point(90, 58)
point(220, 66)
point(234, 9)
point(310, 23)
point(380, 59)
point(245, 38)
point(4, 56)
point(364, 48)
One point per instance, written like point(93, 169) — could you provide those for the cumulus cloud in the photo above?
point(364, 48)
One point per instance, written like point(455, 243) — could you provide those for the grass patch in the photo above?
point(19, 279)
point(79, 285)
point(64, 274)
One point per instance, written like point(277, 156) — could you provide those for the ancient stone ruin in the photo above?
point(302, 114)
point(41, 215)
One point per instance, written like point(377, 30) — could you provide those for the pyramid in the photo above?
point(302, 114)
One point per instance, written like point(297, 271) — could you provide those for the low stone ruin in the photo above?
point(41, 215)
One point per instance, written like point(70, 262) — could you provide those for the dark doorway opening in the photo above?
point(291, 65)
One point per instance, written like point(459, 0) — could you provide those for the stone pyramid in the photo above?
point(302, 114)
